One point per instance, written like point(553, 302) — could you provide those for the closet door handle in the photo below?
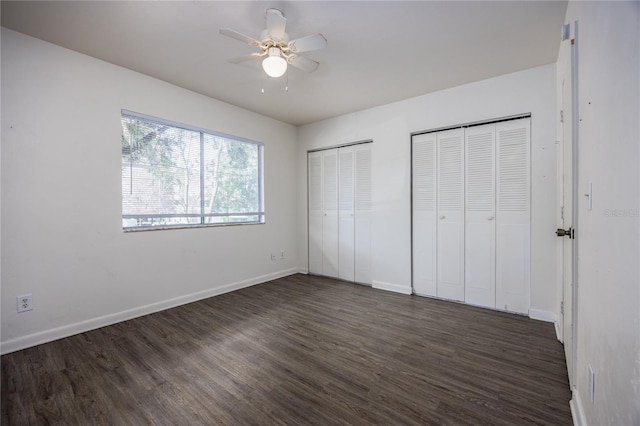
point(442, 217)
point(490, 218)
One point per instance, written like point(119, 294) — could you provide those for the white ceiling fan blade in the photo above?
point(303, 63)
point(245, 58)
point(276, 23)
point(310, 42)
point(239, 36)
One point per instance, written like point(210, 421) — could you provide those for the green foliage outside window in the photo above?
point(176, 176)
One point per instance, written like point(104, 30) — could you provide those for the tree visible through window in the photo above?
point(174, 175)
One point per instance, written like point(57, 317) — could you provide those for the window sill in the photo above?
point(171, 227)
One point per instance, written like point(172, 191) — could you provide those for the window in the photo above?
point(175, 175)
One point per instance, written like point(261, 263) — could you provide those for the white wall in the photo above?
point(0, 190)
point(608, 237)
point(62, 237)
point(390, 127)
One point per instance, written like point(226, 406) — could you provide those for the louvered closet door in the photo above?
point(330, 213)
point(315, 211)
point(363, 213)
point(346, 204)
point(480, 223)
point(513, 217)
point(424, 214)
point(450, 271)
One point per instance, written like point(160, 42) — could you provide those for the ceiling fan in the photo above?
point(276, 47)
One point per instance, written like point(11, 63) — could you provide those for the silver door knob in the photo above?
point(490, 218)
point(441, 217)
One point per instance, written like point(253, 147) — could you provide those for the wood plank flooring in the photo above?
point(298, 350)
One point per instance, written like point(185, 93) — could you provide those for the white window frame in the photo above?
point(202, 215)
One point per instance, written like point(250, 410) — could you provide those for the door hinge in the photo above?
point(562, 212)
point(562, 307)
point(562, 116)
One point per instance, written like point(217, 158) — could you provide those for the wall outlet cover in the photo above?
point(25, 302)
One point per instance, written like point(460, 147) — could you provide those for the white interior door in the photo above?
point(424, 214)
point(330, 213)
point(315, 211)
point(346, 220)
point(513, 234)
point(450, 232)
point(363, 213)
point(566, 195)
point(340, 212)
point(480, 224)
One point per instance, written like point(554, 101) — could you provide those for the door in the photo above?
point(330, 241)
point(566, 194)
point(480, 224)
point(340, 212)
point(363, 212)
point(513, 229)
point(424, 214)
point(316, 212)
point(346, 220)
point(450, 228)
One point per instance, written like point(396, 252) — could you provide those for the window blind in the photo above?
point(175, 175)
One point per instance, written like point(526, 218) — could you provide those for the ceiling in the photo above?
point(378, 51)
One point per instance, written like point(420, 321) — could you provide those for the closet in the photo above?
point(339, 194)
point(471, 214)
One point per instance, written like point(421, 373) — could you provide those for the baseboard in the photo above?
point(45, 336)
point(301, 270)
point(546, 316)
point(391, 287)
point(577, 411)
point(559, 335)
point(541, 315)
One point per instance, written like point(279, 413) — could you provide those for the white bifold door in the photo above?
point(480, 212)
point(330, 220)
point(363, 213)
point(346, 215)
point(339, 185)
point(513, 206)
point(450, 228)
point(471, 220)
point(423, 158)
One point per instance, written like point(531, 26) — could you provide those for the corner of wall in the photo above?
point(577, 410)
point(396, 288)
point(546, 316)
point(556, 325)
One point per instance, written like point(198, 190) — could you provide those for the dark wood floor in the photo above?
point(298, 350)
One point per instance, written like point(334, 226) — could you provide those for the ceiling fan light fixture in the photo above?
point(274, 64)
point(277, 52)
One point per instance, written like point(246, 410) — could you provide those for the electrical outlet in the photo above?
point(25, 302)
point(273, 257)
point(281, 254)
